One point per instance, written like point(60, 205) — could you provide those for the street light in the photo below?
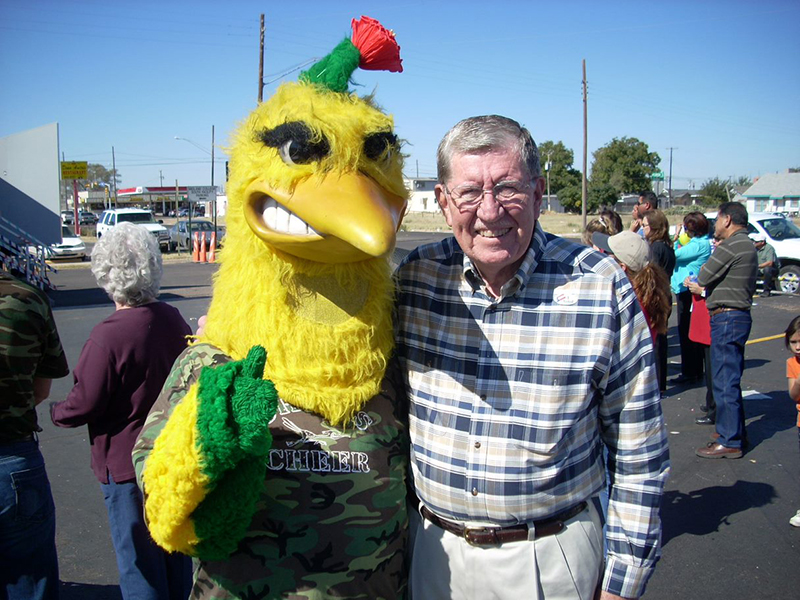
point(214, 202)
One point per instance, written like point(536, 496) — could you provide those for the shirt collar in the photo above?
point(517, 283)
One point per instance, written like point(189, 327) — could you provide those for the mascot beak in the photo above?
point(330, 218)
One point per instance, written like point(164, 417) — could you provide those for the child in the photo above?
point(793, 373)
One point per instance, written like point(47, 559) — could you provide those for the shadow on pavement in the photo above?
point(703, 511)
point(88, 591)
point(79, 297)
point(98, 297)
point(768, 417)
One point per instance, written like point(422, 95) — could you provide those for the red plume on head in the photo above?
point(379, 50)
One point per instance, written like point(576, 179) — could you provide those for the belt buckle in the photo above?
point(470, 536)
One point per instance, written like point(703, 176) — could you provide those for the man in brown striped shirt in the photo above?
point(729, 277)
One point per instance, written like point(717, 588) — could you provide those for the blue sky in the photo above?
point(718, 81)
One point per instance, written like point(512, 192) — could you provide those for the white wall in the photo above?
point(30, 172)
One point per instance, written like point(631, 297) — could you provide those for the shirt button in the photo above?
point(483, 397)
point(474, 491)
point(477, 444)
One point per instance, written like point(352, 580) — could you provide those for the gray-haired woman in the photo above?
point(119, 375)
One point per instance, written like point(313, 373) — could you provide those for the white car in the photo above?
point(144, 218)
point(71, 246)
point(783, 235)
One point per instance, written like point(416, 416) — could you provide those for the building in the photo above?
point(774, 192)
point(421, 196)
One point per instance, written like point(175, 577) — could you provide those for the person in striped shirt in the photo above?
point(532, 387)
point(729, 277)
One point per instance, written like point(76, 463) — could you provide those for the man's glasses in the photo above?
point(505, 193)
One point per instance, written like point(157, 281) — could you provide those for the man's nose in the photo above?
point(489, 207)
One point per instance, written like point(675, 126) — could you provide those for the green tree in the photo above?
point(625, 164)
point(742, 181)
point(570, 197)
point(601, 195)
point(714, 192)
point(563, 177)
point(99, 176)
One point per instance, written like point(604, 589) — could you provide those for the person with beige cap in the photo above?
point(649, 280)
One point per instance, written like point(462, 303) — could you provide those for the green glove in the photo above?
point(235, 407)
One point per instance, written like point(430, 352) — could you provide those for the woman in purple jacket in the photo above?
point(119, 375)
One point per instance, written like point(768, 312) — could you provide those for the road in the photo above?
point(726, 532)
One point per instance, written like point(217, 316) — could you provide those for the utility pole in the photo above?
point(177, 194)
point(547, 166)
point(114, 175)
point(669, 191)
point(163, 200)
point(213, 189)
point(585, 189)
point(261, 63)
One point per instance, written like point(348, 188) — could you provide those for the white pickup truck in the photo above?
point(145, 218)
point(783, 235)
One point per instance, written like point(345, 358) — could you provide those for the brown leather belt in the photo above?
point(494, 536)
point(723, 309)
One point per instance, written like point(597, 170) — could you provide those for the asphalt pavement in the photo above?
point(726, 522)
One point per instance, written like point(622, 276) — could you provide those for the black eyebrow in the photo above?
point(278, 136)
point(299, 132)
point(375, 144)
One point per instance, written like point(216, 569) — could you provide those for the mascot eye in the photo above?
point(294, 142)
point(380, 145)
point(294, 153)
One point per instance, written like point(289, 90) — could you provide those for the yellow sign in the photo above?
point(74, 170)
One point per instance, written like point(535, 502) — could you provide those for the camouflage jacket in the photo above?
point(331, 522)
point(29, 348)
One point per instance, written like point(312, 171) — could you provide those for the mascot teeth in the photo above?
point(281, 220)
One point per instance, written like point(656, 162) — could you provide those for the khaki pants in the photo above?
point(557, 567)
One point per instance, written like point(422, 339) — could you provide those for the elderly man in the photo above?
point(768, 264)
point(729, 277)
point(528, 359)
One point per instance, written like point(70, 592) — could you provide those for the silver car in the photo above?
point(179, 234)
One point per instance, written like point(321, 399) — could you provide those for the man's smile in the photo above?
point(493, 233)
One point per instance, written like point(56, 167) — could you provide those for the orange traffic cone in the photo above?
point(196, 247)
point(203, 246)
point(212, 251)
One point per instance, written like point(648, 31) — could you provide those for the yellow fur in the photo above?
point(320, 361)
point(344, 119)
point(331, 369)
point(173, 482)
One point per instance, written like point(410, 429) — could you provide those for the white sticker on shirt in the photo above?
point(564, 296)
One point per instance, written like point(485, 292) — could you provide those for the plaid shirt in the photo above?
point(513, 399)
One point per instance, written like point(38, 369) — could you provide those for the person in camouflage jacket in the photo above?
point(277, 452)
point(330, 518)
point(30, 357)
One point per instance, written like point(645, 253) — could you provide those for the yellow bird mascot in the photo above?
point(276, 454)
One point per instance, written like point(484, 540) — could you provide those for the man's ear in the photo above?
point(444, 204)
point(538, 194)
